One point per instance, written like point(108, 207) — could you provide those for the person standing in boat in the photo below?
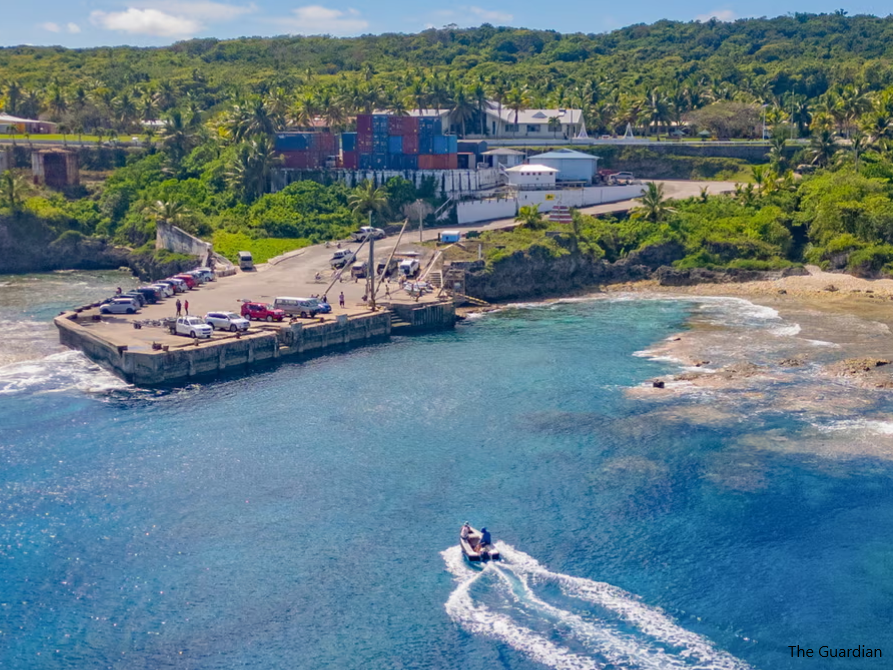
point(466, 531)
point(485, 539)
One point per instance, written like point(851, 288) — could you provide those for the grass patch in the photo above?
point(262, 248)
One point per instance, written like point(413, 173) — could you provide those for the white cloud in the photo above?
point(201, 10)
point(490, 15)
point(52, 27)
point(319, 20)
point(718, 14)
point(146, 22)
point(73, 28)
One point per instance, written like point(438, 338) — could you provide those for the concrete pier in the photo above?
point(136, 361)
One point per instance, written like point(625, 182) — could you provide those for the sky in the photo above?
point(87, 23)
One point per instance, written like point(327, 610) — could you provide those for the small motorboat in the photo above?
point(474, 551)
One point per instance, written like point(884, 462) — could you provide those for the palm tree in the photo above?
point(168, 211)
point(250, 171)
point(366, 199)
point(462, 109)
point(653, 206)
point(10, 190)
point(58, 104)
point(822, 147)
point(776, 153)
point(758, 173)
point(531, 217)
point(479, 94)
point(517, 100)
point(13, 97)
point(305, 109)
point(179, 135)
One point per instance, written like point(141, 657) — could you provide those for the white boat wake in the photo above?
point(571, 623)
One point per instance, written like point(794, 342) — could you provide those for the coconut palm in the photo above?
point(179, 135)
point(531, 217)
point(517, 100)
point(822, 147)
point(11, 190)
point(462, 109)
point(249, 173)
point(653, 205)
point(366, 199)
point(168, 211)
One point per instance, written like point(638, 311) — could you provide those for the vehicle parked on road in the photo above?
point(391, 268)
point(303, 307)
point(150, 294)
point(261, 311)
point(322, 306)
point(246, 260)
point(136, 295)
point(358, 270)
point(342, 257)
point(157, 293)
point(179, 282)
point(226, 321)
point(197, 276)
point(207, 273)
point(166, 289)
point(177, 288)
point(120, 306)
point(409, 267)
point(191, 326)
point(365, 231)
point(189, 279)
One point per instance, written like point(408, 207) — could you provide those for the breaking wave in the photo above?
point(571, 623)
point(64, 371)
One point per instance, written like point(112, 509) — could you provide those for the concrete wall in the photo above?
point(179, 241)
point(474, 211)
point(435, 316)
point(447, 182)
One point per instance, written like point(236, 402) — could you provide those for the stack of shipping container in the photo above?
point(306, 151)
point(385, 142)
point(382, 142)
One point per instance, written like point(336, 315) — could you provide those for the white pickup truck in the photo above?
point(191, 326)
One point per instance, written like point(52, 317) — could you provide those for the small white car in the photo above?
point(207, 273)
point(120, 306)
point(191, 326)
point(166, 289)
point(342, 257)
point(226, 321)
point(367, 231)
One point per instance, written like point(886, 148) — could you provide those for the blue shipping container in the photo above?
point(292, 141)
point(348, 141)
point(452, 144)
point(365, 161)
point(379, 162)
point(395, 145)
point(410, 162)
point(441, 145)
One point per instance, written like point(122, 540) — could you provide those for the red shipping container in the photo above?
point(349, 160)
point(294, 159)
point(411, 144)
point(427, 162)
point(411, 126)
point(364, 144)
point(364, 124)
point(452, 161)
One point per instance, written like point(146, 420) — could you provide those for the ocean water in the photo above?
point(305, 516)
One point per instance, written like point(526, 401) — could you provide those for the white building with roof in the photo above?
point(502, 123)
point(531, 177)
point(571, 166)
point(503, 156)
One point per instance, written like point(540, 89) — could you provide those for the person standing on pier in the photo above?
point(186, 307)
point(341, 299)
point(179, 307)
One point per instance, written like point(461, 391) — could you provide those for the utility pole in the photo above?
point(371, 237)
point(420, 208)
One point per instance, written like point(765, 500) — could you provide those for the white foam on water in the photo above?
point(64, 371)
point(655, 641)
point(786, 331)
point(822, 343)
point(870, 426)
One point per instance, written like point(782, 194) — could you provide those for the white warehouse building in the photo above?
point(532, 176)
point(571, 165)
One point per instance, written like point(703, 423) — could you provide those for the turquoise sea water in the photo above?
point(305, 516)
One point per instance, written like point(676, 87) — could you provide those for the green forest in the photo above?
point(207, 167)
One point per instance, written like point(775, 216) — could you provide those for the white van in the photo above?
point(303, 307)
point(409, 267)
point(246, 260)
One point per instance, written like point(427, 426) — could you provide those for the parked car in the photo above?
point(226, 321)
point(160, 293)
point(365, 231)
point(323, 306)
point(166, 289)
point(177, 288)
point(136, 295)
point(303, 307)
point(179, 282)
point(246, 261)
point(150, 294)
point(261, 311)
point(191, 326)
point(120, 306)
point(342, 257)
point(358, 270)
point(189, 279)
point(409, 267)
point(207, 273)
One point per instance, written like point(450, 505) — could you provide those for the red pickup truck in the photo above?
point(261, 311)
